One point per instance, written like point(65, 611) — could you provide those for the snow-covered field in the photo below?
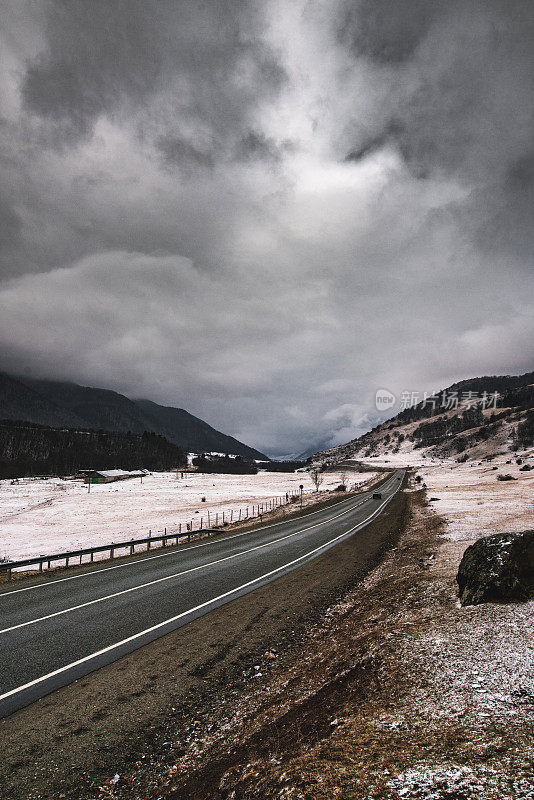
point(469, 495)
point(475, 503)
point(41, 516)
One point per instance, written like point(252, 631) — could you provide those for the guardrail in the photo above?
point(270, 505)
point(8, 566)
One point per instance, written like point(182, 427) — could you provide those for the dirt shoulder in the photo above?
point(141, 710)
point(395, 692)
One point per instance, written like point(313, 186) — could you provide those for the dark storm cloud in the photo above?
point(388, 30)
point(263, 211)
point(10, 224)
point(186, 79)
point(176, 151)
point(391, 135)
point(462, 103)
point(108, 57)
point(520, 174)
point(10, 233)
point(258, 146)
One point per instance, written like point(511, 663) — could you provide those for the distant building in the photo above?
point(111, 475)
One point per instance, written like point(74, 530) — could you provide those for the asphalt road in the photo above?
point(54, 632)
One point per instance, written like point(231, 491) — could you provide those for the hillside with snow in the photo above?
point(474, 420)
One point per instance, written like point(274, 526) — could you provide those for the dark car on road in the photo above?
point(377, 496)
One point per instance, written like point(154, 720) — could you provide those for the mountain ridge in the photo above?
point(471, 430)
point(68, 404)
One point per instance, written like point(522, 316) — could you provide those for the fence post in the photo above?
point(132, 549)
point(91, 559)
point(111, 551)
point(41, 565)
point(149, 542)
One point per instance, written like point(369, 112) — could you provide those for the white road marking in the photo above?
point(167, 577)
point(166, 555)
point(169, 621)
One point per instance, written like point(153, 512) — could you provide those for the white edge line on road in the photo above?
point(169, 621)
point(169, 577)
point(172, 553)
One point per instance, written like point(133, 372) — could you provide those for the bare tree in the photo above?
point(343, 479)
point(317, 478)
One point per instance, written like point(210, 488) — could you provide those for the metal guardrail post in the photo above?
point(244, 514)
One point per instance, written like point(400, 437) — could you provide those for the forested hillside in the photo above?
point(30, 449)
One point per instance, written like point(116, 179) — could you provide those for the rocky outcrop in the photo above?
point(498, 569)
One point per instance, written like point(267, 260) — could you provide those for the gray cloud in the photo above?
point(255, 145)
point(177, 152)
point(462, 102)
point(391, 30)
point(10, 224)
point(109, 57)
point(263, 212)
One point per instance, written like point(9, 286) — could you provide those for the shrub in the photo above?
point(525, 430)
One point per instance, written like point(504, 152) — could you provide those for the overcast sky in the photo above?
point(264, 211)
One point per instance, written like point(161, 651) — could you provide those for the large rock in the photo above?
point(498, 568)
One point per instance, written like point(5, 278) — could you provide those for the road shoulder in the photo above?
point(396, 692)
point(73, 740)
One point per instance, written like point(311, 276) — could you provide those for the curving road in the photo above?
point(52, 633)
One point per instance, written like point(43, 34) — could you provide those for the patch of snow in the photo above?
point(49, 515)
